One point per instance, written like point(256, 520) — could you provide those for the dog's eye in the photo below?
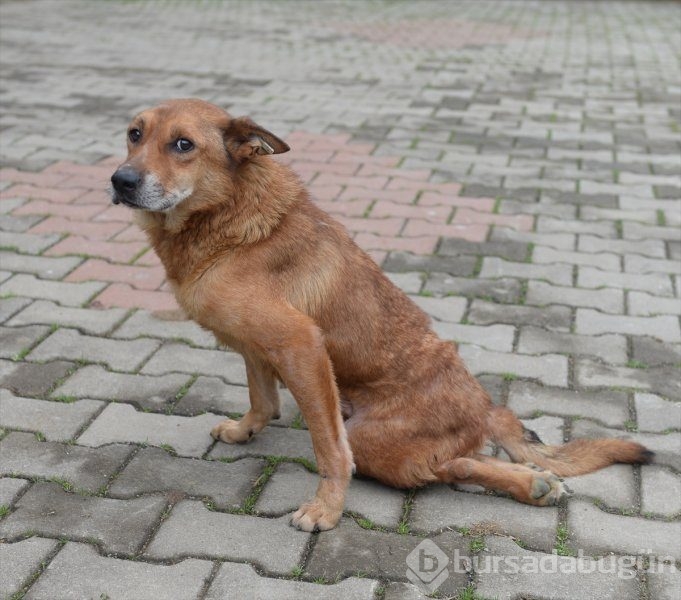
point(183, 145)
point(134, 135)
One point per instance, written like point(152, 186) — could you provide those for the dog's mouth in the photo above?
point(118, 198)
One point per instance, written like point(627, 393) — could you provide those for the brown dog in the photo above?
point(252, 259)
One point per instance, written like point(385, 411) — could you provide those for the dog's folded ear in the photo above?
point(245, 139)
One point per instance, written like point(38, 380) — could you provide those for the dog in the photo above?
point(252, 259)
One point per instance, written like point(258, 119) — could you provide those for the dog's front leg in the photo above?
point(264, 397)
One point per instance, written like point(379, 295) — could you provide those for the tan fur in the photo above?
point(250, 258)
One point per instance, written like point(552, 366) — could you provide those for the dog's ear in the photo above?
point(245, 139)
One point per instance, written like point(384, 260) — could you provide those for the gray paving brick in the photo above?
point(645, 247)
point(493, 337)
point(558, 240)
point(233, 578)
point(638, 231)
point(271, 441)
point(292, 484)
point(660, 491)
point(653, 352)
point(596, 531)
point(33, 379)
point(657, 414)
point(10, 306)
point(450, 309)
point(602, 260)
point(119, 525)
point(154, 470)
point(20, 560)
point(667, 447)
point(556, 318)
point(147, 391)
point(665, 585)
point(28, 242)
point(192, 530)
point(188, 436)
point(510, 250)
point(526, 399)
point(15, 341)
point(615, 486)
point(593, 322)
point(634, 263)
point(349, 549)
point(550, 369)
point(55, 420)
point(493, 267)
point(85, 468)
point(606, 300)
point(563, 577)
point(10, 488)
point(43, 266)
point(661, 380)
point(610, 348)
point(646, 305)
point(438, 506)
point(599, 228)
point(143, 323)
point(89, 320)
point(409, 283)
point(403, 591)
point(655, 283)
point(548, 428)
point(78, 571)
point(70, 294)
point(122, 355)
point(398, 262)
point(18, 224)
point(500, 290)
point(173, 358)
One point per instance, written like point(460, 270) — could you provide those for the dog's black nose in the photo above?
point(126, 180)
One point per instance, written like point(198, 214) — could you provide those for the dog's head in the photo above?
point(184, 148)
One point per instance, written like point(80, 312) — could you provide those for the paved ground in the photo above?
point(514, 166)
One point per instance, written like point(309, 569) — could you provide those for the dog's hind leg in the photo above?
point(264, 397)
point(524, 483)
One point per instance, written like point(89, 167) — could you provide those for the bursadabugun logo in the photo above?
point(427, 566)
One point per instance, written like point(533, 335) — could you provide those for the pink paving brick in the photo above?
point(349, 208)
point(372, 183)
point(115, 252)
point(325, 192)
point(378, 256)
point(41, 179)
point(114, 212)
point(149, 259)
point(405, 183)
point(345, 169)
point(53, 194)
point(436, 214)
point(374, 169)
point(472, 233)
point(121, 295)
point(132, 233)
point(433, 199)
point(97, 231)
point(418, 245)
point(141, 278)
point(69, 211)
point(101, 197)
point(388, 226)
point(518, 222)
point(401, 196)
point(349, 157)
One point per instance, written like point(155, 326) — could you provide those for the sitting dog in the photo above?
point(252, 259)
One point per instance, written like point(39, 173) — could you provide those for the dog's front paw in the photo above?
point(315, 516)
point(232, 432)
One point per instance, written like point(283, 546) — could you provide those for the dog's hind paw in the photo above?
point(547, 489)
point(314, 516)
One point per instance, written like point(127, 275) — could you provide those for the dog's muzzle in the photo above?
point(126, 182)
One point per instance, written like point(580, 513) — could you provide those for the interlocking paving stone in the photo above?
point(556, 318)
point(647, 305)
point(78, 571)
point(148, 391)
point(173, 358)
point(192, 529)
point(20, 560)
point(560, 241)
point(660, 491)
point(660, 380)
point(656, 414)
point(592, 322)
point(16, 340)
point(233, 578)
point(292, 484)
point(57, 421)
point(652, 248)
point(10, 488)
point(188, 436)
point(123, 355)
point(558, 274)
point(596, 531)
point(119, 525)
point(493, 337)
point(42, 266)
point(403, 591)
point(70, 294)
point(510, 250)
point(611, 348)
point(653, 352)
point(615, 486)
point(90, 320)
point(409, 283)
point(143, 323)
point(501, 290)
point(665, 585)
point(34, 379)
point(438, 506)
point(609, 407)
point(12, 305)
point(154, 470)
point(606, 300)
point(667, 447)
point(349, 549)
point(28, 242)
point(450, 309)
point(562, 577)
point(406, 261)
point(655, 283)
point(550, 369)
point(85, 468)
point(271, 441)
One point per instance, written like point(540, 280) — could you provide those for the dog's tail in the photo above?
point(574, 458)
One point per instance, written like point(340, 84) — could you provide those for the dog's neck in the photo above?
point(246, 210)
